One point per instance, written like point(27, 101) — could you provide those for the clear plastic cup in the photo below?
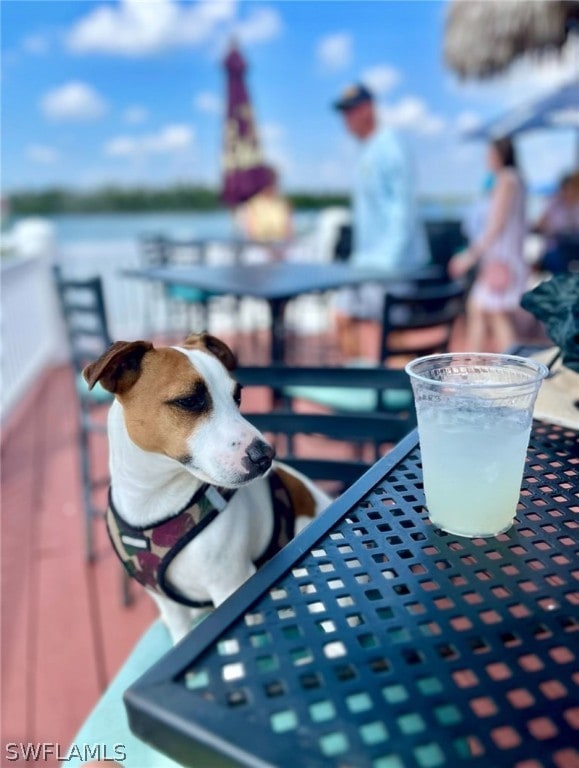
point(474, 415)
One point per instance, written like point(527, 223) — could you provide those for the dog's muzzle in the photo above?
point(258, 457)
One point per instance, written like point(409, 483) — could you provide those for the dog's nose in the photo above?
point(261, 454)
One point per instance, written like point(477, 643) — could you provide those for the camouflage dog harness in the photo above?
point(146, 553)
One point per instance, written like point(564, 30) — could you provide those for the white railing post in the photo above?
point(31, 329)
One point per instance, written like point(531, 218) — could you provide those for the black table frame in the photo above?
point(276, 283)
point(373, 640)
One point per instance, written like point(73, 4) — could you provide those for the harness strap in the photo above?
point(147, 552)
point(284, 520)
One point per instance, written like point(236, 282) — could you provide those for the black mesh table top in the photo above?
point(375, 641)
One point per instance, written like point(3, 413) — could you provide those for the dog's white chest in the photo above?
point(213, 565)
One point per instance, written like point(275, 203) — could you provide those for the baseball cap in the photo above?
point(352, 96)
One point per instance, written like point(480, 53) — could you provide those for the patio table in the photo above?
point(374, 640)
point(277, 283)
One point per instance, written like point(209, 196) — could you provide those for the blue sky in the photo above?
point(131, 91)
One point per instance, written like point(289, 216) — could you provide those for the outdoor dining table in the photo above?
point(277, 283)
point(374, 640)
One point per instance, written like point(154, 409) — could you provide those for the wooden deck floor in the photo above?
point(64, 630)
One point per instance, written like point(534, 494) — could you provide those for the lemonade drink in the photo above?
point(474, 414)
point(473, 466)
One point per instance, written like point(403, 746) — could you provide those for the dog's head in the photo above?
point(183, 403)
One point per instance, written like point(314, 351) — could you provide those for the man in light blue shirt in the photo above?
point(387, 232)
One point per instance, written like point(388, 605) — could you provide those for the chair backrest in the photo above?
point(82, 303)
point(154, 250)
point(343, 244)
point(159, 250)
point(445, 238)
point(418, 318)
point(327, 446)
point(569, 252)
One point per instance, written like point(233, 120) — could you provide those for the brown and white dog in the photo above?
point(196, 501)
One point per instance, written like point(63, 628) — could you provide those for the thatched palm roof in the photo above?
point(483, 37)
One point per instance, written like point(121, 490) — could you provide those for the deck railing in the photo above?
point(32, 333)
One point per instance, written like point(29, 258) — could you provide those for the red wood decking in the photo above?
point(64, 630)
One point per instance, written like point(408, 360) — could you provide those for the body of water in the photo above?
point(106, 227)
point(110, 228)
point(125, 226)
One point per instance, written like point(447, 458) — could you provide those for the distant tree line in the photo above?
point(58, 200)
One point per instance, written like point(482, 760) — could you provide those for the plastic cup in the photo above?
point(474, 414)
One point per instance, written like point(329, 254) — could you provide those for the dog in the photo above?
point(196, 501)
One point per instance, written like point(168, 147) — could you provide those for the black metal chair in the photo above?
point(418, 319)
point(83, 309)
point(358, 437)
point(445, 238)
point(569, 249)
point(343, 244)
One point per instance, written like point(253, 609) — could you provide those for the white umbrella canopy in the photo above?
point(556, 109)
point(484, 37)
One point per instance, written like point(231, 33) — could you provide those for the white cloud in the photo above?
point(331, 169)
point(272, 132)
point(172, 139)
point(262, 25)
point(545, 156)
point(381, 79)
point(272, 137)
point(454, 168)
point(36, 44)
point(135, 114)
point(330, 174)
point(334, 52)
point(122, 146)
point(42, 154)
point(431, 125)
point(208, 102)
point(467, 121)
point(411, 113)
point(73, 101)
point(140, 28)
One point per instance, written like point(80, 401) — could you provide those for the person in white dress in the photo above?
point(498, 254)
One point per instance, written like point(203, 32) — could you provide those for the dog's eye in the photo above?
point(195, 403)
point(237, 394)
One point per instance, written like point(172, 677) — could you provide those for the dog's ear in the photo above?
point(119, 367)
point(214, 345)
